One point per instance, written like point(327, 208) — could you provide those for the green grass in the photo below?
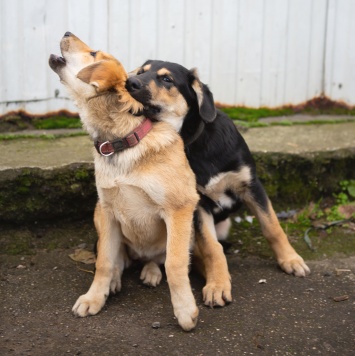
point(14, 136)
point(329, 111)
point(57, 122)
point(249, 117)
point(253, 115)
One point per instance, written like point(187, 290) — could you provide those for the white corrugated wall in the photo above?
point(250, 52)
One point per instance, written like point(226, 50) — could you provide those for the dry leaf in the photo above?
point(83, 256)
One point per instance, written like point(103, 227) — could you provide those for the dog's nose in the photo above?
point(67, 34)
point(133, 84)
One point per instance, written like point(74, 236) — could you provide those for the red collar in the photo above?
point(107, 148)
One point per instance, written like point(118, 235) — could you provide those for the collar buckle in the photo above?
point(102, 146)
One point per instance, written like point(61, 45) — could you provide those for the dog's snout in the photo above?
point(133, 84)
point(67, 34)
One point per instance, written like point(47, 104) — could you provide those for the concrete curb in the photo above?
point(43, 179)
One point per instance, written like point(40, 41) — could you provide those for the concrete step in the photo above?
point(42, 178)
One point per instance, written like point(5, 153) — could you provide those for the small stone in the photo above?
point(262, 281)
point(21, 267)
point(341, 298)
point(156, 325)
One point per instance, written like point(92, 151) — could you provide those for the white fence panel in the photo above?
point(225, 50)
point(305, 28)
point(340, 53)
point(250, 52)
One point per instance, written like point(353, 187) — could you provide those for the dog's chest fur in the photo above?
point(139, 185)
point(140, 219)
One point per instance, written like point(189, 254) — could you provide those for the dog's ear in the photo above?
point(109, 75)
point(135, 71)
point(205, 100)
point(148, 61)
point(104, 75)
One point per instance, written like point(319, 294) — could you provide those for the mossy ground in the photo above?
point(247, 239)
point(316, 230)
point(19, 121)
point(57, 122)
point(253, 115)
point(33, 194)
point(44, 136)
point(249, 117)
point(27, 239)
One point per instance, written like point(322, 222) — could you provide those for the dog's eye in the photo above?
point(166, 79)
point(93, 54)
point(141, 71)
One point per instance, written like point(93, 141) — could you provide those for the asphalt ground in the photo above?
point(285, 315)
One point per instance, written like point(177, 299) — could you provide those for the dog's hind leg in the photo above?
point(110, 259)
point(179, 233)
point(222, 229)
point(151, 274)
point(259, 203)
point(217, 291)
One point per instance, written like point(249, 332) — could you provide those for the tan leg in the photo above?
point(217, 290)
point(122, 261)
point(151, 274)
point(286, 256)
point(179, 231)
point(110, 259)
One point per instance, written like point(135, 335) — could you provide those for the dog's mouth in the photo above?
point(56, 62)
point(152, 111)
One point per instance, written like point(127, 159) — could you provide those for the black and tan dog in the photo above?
point(220, 158)
point(146, 188)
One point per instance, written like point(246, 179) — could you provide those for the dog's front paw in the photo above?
point(295, 265)
point(187, 317)
point(217, 294)
point(151, 274)
point(88, 305)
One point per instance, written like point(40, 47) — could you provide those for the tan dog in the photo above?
point(147, 191)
